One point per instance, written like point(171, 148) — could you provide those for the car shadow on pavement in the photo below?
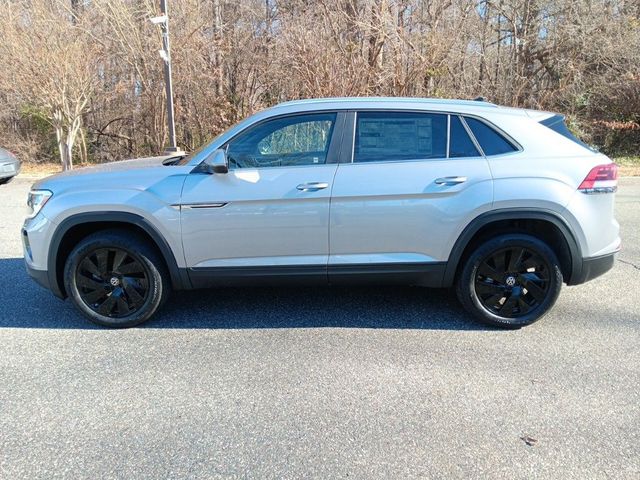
point(23, 304)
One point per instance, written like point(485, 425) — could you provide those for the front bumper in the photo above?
point(594, 267)
point(41, 277)
point(36, 238)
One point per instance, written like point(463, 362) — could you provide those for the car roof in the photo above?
point(480, 107)
point(386, 102)
point(357, 101)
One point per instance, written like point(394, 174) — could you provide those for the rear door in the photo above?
point(411, 182)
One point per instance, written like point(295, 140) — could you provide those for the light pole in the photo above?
point(165, 54)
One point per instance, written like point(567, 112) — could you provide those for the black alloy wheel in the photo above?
point(510, 280)
point(112, 282)
point(116, 278)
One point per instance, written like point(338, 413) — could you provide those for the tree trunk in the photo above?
point(66, 134)
point(64, 150)
point(217, 55)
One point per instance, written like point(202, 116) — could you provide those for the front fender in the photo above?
point(179, 280)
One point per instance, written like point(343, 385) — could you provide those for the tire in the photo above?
point(518, 294)
point(4, 181)
point(116, 278)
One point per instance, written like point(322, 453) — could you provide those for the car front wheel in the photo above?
point(510, 281)
point(116, 279)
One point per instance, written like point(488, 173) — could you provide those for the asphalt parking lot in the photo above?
point(321, 383)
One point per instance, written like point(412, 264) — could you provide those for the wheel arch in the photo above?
point(72, 229)
point(517, 220)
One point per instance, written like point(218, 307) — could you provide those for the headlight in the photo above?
point(36, 200)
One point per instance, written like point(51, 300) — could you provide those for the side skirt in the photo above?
point(208, 277)
point(422, 274)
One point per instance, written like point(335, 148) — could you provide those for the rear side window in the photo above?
point(557, 124)
point(460, 144)
point(394, 136)
point(491, 142)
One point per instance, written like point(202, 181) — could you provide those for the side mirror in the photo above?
point(216, 162)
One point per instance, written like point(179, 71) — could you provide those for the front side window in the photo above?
point(491, 142)
point(396, 136)
point(287, 141)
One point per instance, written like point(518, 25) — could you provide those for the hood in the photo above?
point(131, 164)
point(136, 173)
point(106, 171)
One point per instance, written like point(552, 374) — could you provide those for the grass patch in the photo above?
point(45, 169)
point(629, 166)
point(627, 161)
point(39, 169)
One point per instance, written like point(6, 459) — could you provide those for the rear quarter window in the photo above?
point(558, 125)
point(491, 142)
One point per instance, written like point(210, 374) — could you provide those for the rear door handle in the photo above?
point(312, 186)
point(450, 180)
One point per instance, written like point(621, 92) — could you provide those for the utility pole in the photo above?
point(165, 54)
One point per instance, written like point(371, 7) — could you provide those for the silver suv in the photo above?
point(504, 204)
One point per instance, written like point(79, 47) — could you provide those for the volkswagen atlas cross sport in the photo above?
point(503, 204)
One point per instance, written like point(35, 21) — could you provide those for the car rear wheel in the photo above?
point(510, 281)
point(116, 279)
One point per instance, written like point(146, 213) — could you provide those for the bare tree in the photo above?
point(53, 67)
point(87, 74)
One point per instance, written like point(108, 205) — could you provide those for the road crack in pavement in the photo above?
point(530, 441)
point(629, 263)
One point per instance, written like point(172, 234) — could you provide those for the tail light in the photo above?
point(601, 179)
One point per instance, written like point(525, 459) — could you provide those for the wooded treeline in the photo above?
point(82, 79)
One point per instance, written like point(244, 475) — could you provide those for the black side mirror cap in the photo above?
point(216, 162)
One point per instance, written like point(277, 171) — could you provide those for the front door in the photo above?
point(269, 215)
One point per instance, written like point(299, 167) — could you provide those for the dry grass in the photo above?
point(629, 166)
point(43, 169)
point(39, 169)
point(632, 171)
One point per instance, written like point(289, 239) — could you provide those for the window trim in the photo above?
point(333, 152)
point(448, 150)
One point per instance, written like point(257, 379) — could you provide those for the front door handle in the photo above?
point(312, 186)
point(450, 180)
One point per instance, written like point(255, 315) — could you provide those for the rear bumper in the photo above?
point(9, 169)
point(594, 267)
